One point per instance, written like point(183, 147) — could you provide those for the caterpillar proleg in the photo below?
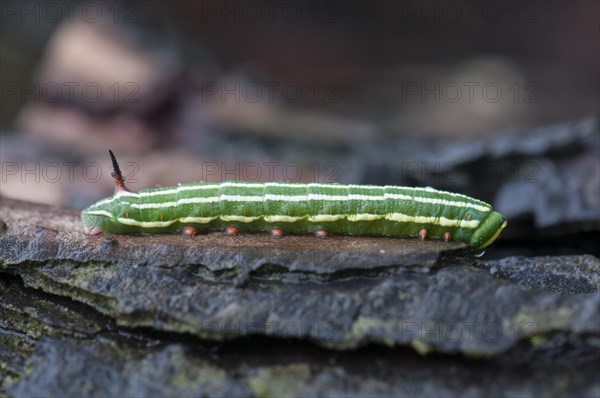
point(295, 208)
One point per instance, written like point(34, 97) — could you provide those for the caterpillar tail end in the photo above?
point(118, 176)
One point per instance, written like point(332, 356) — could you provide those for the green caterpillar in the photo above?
point(295, 208)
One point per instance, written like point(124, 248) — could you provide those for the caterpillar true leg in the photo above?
point(321, 234)
point(276, 233)
point(232, 230)
point(447, 236)
point(188, 230)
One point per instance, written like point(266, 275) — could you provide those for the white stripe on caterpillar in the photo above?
point(399, 217)
point(478, 205)
point(300, 198)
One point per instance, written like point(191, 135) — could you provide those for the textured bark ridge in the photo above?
point(255, 316)
point(38, 233)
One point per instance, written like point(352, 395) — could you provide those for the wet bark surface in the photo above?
point(253, 316)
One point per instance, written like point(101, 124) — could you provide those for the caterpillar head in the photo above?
point(488, 231)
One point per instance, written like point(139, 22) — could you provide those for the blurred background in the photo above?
point(498, 100)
